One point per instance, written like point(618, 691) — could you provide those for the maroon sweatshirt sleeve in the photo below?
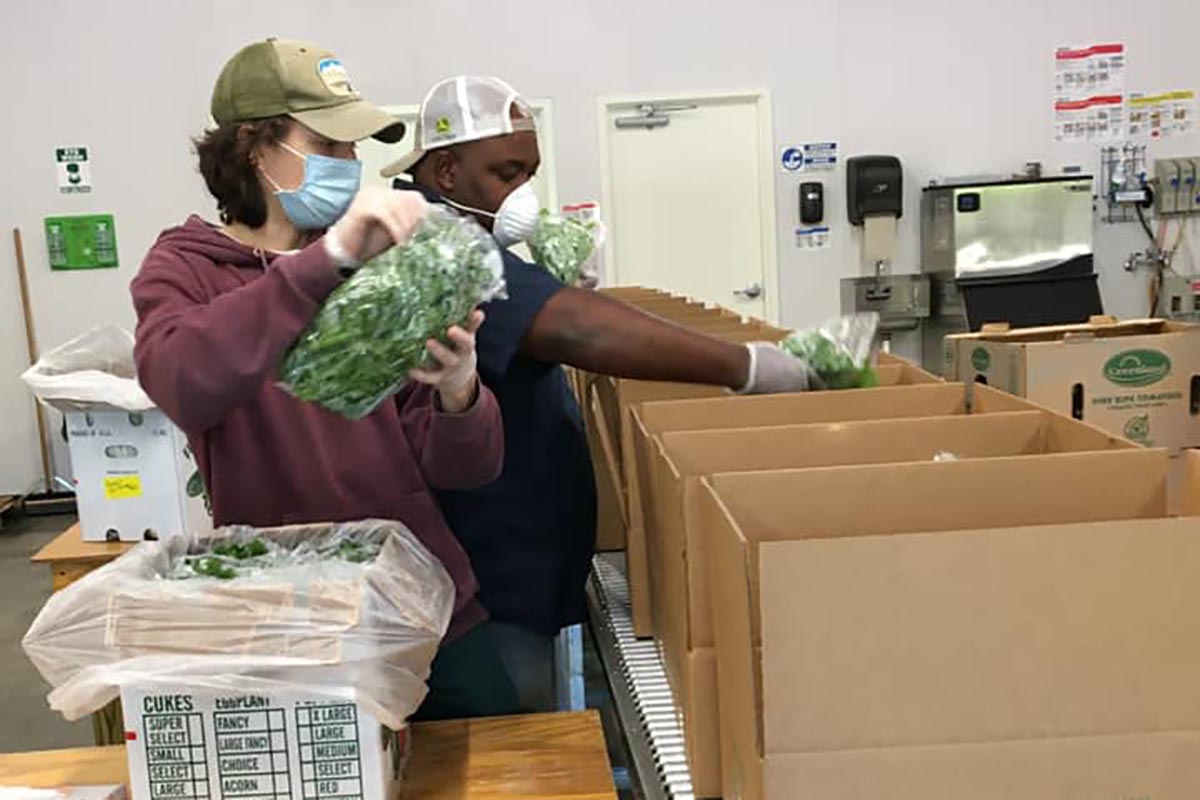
point(455, 451)
point(199, 358)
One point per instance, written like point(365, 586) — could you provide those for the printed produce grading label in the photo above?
point(186, 746)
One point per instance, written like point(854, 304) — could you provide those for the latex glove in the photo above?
point(377, 219)
point(774, 370)
point(456, 378)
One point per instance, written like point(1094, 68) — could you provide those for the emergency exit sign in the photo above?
point(74, 174)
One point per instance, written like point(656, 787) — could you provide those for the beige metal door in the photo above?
point(689, 197)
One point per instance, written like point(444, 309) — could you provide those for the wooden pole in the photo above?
point(31, 343)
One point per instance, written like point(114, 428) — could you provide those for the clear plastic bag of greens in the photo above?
point(568, 244)
point(840, 352)
point(322, 609)
point(372, 329)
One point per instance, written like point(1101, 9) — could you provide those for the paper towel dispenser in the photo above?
point(874, 186)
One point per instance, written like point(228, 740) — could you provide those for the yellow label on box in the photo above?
point(122, 487)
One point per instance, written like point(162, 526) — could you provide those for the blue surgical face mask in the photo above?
point(329, 187)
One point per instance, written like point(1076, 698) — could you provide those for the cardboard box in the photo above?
point(631, 293)
point(155, 618)
point(678, 579)
point(619, 486)
point(135, 477)
point(1138, 379)
point(611, 519)
point(726, 411)
point(604, 399)
point(995, 628)
point(187, 743)
point(904, 375)
point(696, 703)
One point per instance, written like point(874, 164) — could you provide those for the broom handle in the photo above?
point(31, 343)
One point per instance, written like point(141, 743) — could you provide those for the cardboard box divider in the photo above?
point(919, 620)
point(677, 577)
point(634, 292)
point(903, 375)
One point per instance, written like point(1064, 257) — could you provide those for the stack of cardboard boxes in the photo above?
point(923, 590)
point(606, 401)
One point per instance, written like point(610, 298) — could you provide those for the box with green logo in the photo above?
point(1138, 379)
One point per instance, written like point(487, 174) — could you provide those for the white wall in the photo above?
point(950, 86)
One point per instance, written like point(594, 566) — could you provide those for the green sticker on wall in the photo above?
point(81, 242)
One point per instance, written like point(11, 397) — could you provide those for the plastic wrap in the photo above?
point(93, 370)
point(63, 793)
point(358, 606)
point(840, 352)
point(568, 246)
point(372, 330)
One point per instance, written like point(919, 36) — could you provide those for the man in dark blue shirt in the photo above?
point(530, 535)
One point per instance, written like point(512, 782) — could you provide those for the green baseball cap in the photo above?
point(305, 82)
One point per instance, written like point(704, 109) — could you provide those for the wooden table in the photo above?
point(70, 558)
point(535, 756)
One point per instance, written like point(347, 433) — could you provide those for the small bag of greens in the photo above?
point(841, 352)
point(372, 329)
point(568, 245)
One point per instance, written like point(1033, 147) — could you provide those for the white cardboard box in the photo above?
point(134, 474)
point(189, 744)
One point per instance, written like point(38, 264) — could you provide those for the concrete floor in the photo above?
point(26, 721)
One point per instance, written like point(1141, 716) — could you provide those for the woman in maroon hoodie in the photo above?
point(219, 305)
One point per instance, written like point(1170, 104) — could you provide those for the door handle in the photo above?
point(751, 292)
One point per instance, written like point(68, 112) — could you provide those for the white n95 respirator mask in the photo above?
point(516, 217)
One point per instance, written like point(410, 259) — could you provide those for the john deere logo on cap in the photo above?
point(442, 126)
point(334, 76)
point(980, 359)
point(1137, 368)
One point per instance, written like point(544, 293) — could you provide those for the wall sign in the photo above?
point(813, 238)
point(1163, 115)
point(808, 157)
point(1089, 93)
point(74, 174)
point(84, 242)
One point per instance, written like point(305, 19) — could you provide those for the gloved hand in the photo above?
point(376, 220)
point(773, 370)
point(456, 378)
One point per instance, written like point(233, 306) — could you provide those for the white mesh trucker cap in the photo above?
point(464, 109)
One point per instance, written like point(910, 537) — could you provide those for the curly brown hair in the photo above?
point(229, 172)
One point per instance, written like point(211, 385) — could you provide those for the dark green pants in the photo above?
point(468, 679)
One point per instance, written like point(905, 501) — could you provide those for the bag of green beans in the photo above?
point(372, 329)
point(568, 247)
point(841, 352)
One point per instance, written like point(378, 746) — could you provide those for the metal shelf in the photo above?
point(645, 706)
